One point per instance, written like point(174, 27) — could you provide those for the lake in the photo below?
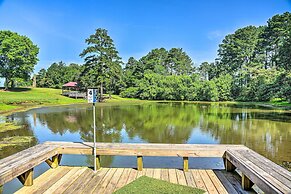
point(265, 130)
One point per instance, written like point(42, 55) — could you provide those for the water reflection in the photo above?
point(266, 131)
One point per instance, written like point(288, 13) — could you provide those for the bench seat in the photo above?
point(256, 169)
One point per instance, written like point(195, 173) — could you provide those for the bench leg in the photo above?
point(185, 164)
point(139, 163)
point(98, 162)
point(26, 178)
point(55, 161)
point(228, 165)
point(246, 182)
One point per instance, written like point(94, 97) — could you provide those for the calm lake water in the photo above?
point(266, 131)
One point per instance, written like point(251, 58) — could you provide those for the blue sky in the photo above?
point(59, 27)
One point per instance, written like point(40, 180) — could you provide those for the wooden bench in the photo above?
point(256, 169)
point(142, 149)
point(21, 164)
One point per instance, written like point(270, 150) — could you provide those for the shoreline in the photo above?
point(23, 108)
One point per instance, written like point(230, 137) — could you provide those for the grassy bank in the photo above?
point(24, 98)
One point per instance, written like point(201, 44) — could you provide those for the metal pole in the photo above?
point(94, 136)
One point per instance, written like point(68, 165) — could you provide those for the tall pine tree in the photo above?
point(102, 62)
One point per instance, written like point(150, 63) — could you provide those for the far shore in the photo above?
point(24, 99)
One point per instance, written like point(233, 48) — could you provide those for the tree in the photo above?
point(274, 36)
point(154, 61)
point(18, 56)
point(178, 62)
point(102, 62)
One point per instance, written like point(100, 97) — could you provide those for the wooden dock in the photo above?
point(255, 170)
point(107, 180)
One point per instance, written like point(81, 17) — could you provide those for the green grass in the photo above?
point(21, 98)
point(147, 185)
point(4, 127)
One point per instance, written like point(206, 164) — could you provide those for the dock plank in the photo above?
point(173, 176)
point(123, 179)
point(113, 182)
point(80, 183)
point(218, 185)
point(198, 180)
point(65, 181)
point(181, 177)
point(107, 180)
point(95, 180)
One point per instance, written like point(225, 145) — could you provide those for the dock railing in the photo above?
point(256, 169)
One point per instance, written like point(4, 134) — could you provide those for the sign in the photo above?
point(92, 95)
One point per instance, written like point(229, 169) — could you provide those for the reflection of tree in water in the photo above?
point(270, 138)
point(161, 123)
point(264, 131)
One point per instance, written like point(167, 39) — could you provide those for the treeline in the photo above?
point(253, 64)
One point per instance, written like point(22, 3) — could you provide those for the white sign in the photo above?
point(92, 95)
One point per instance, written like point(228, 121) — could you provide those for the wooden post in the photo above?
point(55, 161)
point(246, 182)
point(185, 164)
point(228, 165)
point(139, 163)
point(26, 178)
point(98, 162)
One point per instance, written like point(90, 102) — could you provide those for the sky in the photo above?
point(60, 27)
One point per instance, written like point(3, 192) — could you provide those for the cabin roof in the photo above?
point(70, 84)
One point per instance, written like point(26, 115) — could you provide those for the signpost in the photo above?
point(93, 98)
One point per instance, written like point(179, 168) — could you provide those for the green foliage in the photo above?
point(18, 56)
point(224, 84)
point(102, 62)
point(58, 74)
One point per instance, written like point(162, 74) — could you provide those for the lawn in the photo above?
point(145, 185)
point(22, 98)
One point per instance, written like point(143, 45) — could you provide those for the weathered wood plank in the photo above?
point(65, 181)
point(105, 181)
point(157, 173)
point(131, 149)
point(149, 172)
point(264, 181)
point(198, 180)
point(181, 177)
point(48, 183)
point(208, 183)
point(123, 179)
point(235, 180)
point(12, 171)
point(38, 181)
point(81, 182)
point(189, 179)
point(165, 174)
point(173, 176)
point(113, 182)
point(216, 182)
point(132, 176)
point(95, 180)
point(272, 169)
point(22, 154)
point(227, 185)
